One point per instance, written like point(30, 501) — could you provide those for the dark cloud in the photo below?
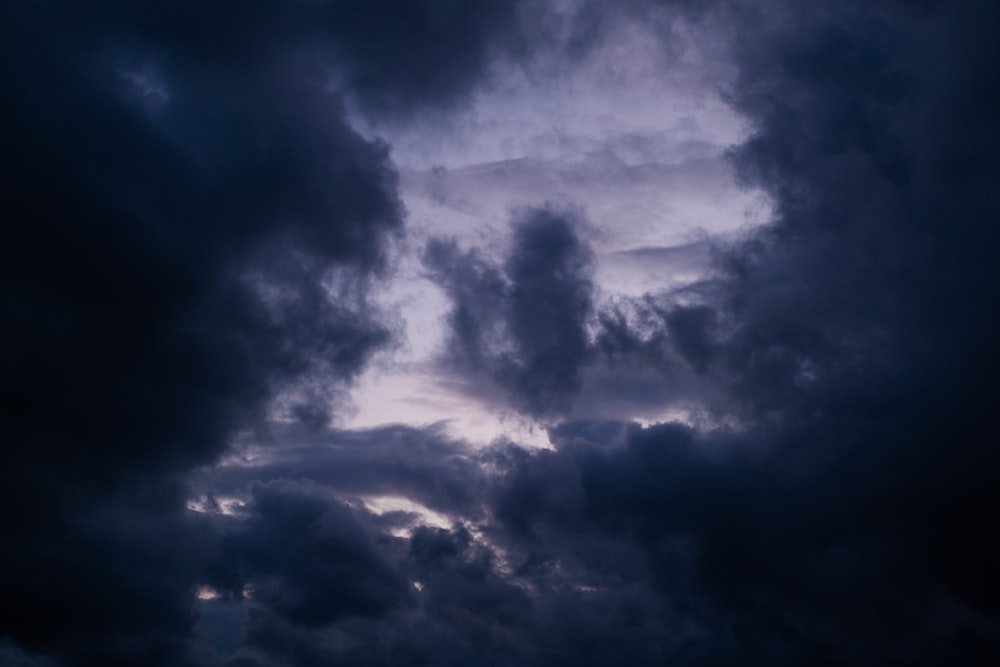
point(191, 228)
point(307, 558)
point(773, 547)
point(522, 325)
point(843, 519)
point(866, 313)
point(424, 50)
point(538, 579)
point(422, 465)
point(167, 265)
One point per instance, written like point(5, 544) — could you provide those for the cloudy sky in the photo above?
point(503, 333)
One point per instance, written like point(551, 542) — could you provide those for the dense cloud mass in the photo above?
point(522, 325)
point(191, 224)
point(192, 231)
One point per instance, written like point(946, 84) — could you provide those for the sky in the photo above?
point(505, 333)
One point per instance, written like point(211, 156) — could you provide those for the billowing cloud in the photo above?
point(522, 326)
point(194, 228)
point(191, 228)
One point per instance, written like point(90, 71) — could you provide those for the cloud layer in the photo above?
point(193, 228)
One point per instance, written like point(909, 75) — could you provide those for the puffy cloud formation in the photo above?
point(192, 226)
point(521, 326)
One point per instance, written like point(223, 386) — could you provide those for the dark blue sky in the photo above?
point(499, 333)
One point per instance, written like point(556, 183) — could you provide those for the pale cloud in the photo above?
point(633, 137)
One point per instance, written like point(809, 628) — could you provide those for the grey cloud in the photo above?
point(845, 518)
point(192, 227)
point(842, 522)
point(522, 326)
point(308, 559)
point(421, 465)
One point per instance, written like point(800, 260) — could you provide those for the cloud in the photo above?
point(193, 227)
point(419, 464)
point(522, 326)
point(531, 335)
point(309, 559)
point(841, 519)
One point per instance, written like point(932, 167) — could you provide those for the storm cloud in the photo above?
point(191, 228)
point(194, 230)
point(522, 325)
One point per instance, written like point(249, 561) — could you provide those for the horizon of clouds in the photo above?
point(746, 421)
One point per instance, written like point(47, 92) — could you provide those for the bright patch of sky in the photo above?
point(632, 136)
